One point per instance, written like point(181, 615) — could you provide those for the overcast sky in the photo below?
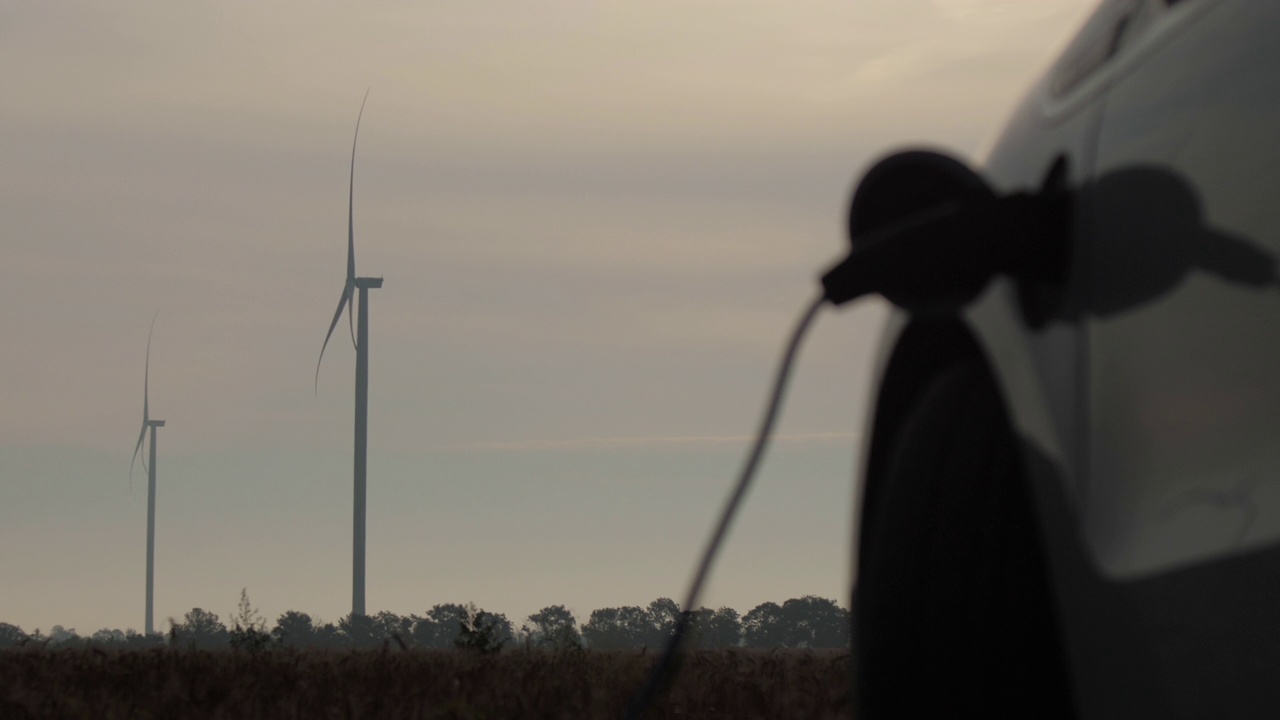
point(596, 222)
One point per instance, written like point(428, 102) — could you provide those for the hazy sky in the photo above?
point(596, 222)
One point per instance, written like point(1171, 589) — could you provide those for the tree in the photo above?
point(715, 628)
point(440, 627)
point(107, 637)
point(294, 629)
point(11, 635)
point(662, 615)
point(134, 640)
point(763, 626)
point(388, 626)
point(360, 631)
point(201, 629)
point(553, 627)
point(328, 635)
point(483, 631)
point(605, 630)
point(64, 637)
point(809, 621)
point(248, 629)
point(815, 622)
point(615, 628)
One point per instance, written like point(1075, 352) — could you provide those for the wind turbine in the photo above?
point(150, 467)
point(360, 338)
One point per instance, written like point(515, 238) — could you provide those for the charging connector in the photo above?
point(940, 258)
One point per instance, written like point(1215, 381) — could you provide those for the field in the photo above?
point(430, 684)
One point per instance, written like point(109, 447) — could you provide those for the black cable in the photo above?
point(666, 666)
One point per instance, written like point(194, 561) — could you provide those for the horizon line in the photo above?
point(648, 441)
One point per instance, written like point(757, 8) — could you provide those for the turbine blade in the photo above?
point(146, 376)
point(351, 222)
point(351, 324)
point(351, 197)
point(146, 402)
point(136, 449)
point(346, 296)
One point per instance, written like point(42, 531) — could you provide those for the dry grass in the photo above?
point(434, 685)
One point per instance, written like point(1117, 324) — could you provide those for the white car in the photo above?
point(1071, 496)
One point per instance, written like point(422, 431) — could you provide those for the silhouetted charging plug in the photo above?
point(928, 234)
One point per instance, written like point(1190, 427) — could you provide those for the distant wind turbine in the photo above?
point(150, 467)
point(360, 338)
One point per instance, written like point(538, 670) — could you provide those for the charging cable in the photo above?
point(668, 664)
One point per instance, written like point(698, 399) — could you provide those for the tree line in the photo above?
point(805, 622)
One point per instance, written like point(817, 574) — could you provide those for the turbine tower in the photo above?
point(360, 338)
point(150, 467)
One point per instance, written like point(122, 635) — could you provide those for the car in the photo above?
point(1070, 494)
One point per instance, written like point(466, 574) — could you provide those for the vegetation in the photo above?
point(283, 682)
point(552, 628)
point(807, 622)
point(482, 632)
point(453, 661)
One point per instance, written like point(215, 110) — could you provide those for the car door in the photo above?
point(1182, 303)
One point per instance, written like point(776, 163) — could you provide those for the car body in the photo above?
point(1144, 390)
